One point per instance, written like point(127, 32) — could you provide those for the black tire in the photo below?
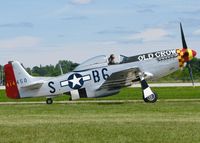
point(49, 101)
point(151, 99)
point(145, 99)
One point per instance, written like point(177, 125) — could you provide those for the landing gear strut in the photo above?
point(148, 95)
point(49, 101)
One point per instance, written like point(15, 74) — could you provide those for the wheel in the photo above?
point(151, 99)
point(49, 101)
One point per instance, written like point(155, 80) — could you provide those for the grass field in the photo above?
point(162, 122)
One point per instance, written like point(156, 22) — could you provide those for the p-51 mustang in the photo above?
point(96, 78)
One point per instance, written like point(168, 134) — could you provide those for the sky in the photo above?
point(42, 32)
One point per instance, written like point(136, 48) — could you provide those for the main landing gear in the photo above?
point(148, 95)
point(49, 100)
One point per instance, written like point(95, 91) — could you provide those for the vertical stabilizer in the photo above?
point(15, 77)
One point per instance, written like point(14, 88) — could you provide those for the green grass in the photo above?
point(168, 122)
point(162, 122)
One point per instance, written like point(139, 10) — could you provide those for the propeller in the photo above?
point(183, 37)
point(187, 55)
point(190, 72)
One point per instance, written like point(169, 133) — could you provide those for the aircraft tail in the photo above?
point(15, 77)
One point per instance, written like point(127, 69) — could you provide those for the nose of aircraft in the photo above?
point(186, 54)
point(194, 53)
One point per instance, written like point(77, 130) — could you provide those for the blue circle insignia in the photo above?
point(75, 81)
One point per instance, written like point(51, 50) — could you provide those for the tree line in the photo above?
point(51, 70)
point(48, 70)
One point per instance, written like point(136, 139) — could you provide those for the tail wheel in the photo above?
point(49, 101)
point(151, 99)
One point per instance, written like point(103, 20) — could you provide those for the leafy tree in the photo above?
point(50, 70)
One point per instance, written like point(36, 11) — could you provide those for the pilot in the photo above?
point(111, 59)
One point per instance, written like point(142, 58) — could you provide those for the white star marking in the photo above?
point(75, 81)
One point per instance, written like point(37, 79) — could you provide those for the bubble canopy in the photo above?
point(95, 62)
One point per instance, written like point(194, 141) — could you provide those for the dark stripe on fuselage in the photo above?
point(159, 55)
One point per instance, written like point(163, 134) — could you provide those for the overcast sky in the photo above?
point(44, 31)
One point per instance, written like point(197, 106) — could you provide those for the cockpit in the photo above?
point(98, 61)
point(95, 62)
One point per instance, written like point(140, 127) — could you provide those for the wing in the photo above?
point(120, 79)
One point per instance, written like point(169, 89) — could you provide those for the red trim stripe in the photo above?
point(11, 84)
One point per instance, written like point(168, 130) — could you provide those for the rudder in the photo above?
point(10, 82)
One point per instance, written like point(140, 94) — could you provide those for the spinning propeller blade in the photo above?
point(183, 38)
point(190, 72)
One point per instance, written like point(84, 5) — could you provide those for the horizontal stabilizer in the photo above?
point(34, 85)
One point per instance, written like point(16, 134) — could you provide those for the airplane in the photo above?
point(97, 78)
